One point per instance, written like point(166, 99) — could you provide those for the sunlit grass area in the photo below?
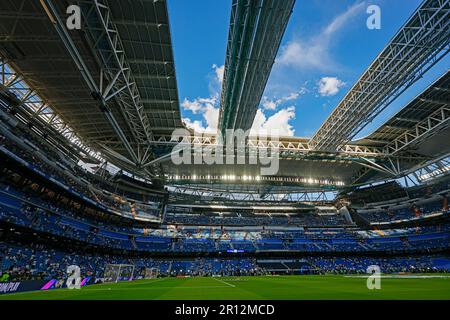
point(255, 288)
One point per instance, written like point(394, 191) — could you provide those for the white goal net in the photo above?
point(151, 273)
point(118, 272)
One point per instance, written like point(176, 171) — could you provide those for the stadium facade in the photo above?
point(86, 149)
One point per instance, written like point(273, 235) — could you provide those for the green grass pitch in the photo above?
point(253, 288)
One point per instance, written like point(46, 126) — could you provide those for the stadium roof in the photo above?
point(412, 127)
point(418, 45)
point(413, 137)
point(114, 84)
point(256, 29)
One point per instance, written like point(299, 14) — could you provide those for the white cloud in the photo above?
point(269, 104)
point(329, 86)
point(343, 18)
point(219, 72)
point(198, 104)
point(195, 125)
point(209, 110)
point(291, 96)
point(314, 53)
point(211, 116)
point(207, 107)
point(278, 122)
point(304, 55)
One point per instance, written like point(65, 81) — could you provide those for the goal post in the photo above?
point(151, 273)
point(118, 272)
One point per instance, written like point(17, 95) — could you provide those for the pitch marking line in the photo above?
point(228, 284)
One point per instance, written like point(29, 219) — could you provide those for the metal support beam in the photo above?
point(425, 128)
point(32, 108)
point(295, 145)
point(181, 191)
point(95, 89)
point(417, 46)
point(116, 67)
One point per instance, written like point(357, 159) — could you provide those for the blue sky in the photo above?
point(325, 49)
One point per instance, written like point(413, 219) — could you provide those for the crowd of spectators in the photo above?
point(19, 261)
point(409, 212)
point(359, 265)
point(55, 165)
point(64, 223)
